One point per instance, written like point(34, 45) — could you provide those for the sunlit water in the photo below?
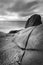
point(6, 26)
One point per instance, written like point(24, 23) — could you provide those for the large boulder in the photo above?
point(23, 48)
point(34, 20)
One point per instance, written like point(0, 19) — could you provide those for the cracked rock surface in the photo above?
point(22, 48)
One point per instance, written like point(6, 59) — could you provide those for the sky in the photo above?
point(18, 10)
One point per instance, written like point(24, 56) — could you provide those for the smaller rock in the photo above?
point(13, 31)
point(34, 20)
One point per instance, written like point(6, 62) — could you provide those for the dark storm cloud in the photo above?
point(21, 6)
point(6, 1)
point(29, 10)
point(16, 6)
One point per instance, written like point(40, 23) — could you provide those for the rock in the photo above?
point(23, 48)
point(32, 58)
point(13, 31)
point(34, 20)
point(34, 53)
point(2, 34)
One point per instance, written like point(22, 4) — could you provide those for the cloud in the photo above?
point(16, 5)
point(11, 17)
point(19, 8)
point(14, 8)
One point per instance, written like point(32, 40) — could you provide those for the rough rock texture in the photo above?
point(34, 20)
point(23, 48)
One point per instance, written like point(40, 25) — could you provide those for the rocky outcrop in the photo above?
point(13, 31)
point(23, 48)
point(34, 20)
